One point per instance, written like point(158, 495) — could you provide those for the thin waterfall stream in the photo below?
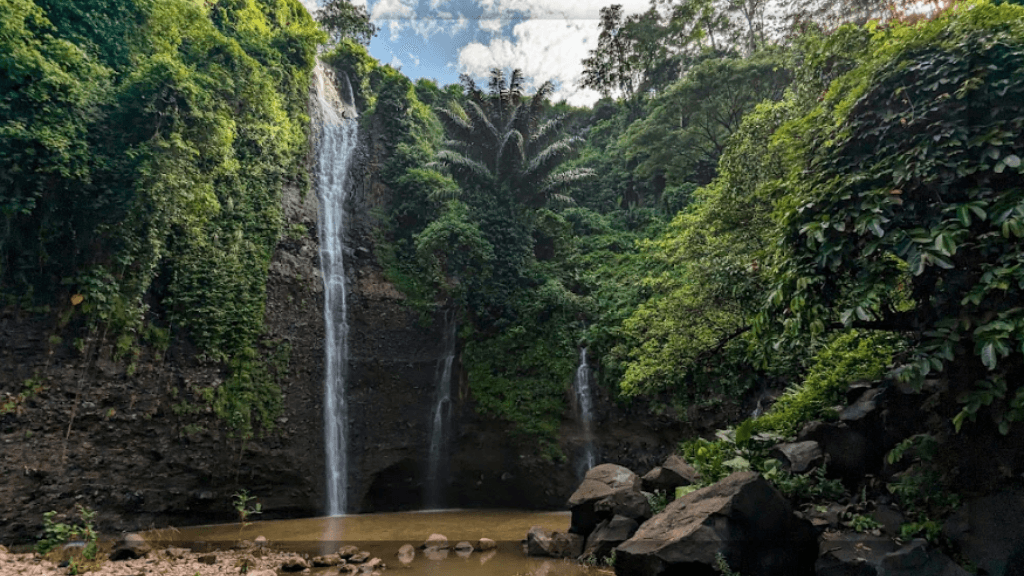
point(335, 138)
point(584, 413)
point(440, 429)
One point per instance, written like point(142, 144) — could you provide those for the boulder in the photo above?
point(989, 532)
point(741, 517)
point(851, 554)
point(130, 547)
point(798, 456)
point(208, 559)
point(540, 542)
point(438, 541)
point(608, 535)
point(674, 472)
point(606, 490)
point(406, 554)
point(260, 542)
point(852, 449)
point(915, 559)
point(485, 544)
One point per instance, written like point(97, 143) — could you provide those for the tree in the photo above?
point(902, 208)
point(342, 19)
point(498, 143)
point(687, 127)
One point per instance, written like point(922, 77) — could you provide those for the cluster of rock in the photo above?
point(745, 523)
point(436, 547)
point(257, 558)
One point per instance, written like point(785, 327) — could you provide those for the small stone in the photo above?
point(260, 541)
point(294, 563)
point(406, 554)
point(327, 560)
point(463, 546)
point(359, 557)
point(209, 559)
point(348, 551)
point(439, 541)
point(485, 544)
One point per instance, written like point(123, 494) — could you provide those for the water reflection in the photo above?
point(384, 535)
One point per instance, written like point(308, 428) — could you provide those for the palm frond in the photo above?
point(484, 120)
point(539, 97)
point(548, 159)
point(461, 167)
point(562, 179)
point(509, 161)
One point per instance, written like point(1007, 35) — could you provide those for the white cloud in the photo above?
point(415, 59)
point(575, 10)
point(544, 49)
point(395, 62)
point(393, 9)
point(491, 24)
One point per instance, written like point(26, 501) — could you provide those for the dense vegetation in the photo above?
point(143, 150)
point(757, 202)
point(764, 198)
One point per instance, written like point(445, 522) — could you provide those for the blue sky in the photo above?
point(440, 39)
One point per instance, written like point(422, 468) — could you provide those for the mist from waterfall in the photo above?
point(584, 406)
point(440, 429)
point(334, 141)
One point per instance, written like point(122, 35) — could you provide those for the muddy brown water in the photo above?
point(383, 534)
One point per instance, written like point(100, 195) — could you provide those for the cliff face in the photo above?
point(138, 445)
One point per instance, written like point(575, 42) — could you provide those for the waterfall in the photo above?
point(584, 413)
point(334, 142)
point(440, 429)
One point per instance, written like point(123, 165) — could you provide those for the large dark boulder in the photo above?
point(608, 535)
point(674, 472)
point(989, 531)
point(915, 559)
point(607, 490)
point(852, 554)
point(742, 517)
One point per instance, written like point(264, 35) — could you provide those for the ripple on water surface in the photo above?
point(383, 534)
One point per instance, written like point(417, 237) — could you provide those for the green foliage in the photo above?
point(58, 533)
point(657, 499)
point(862, 523)
point(144, 146)
point(722, 565)
point(706, 279)
point(343, 19)
point(902, 207)
point(687, 127)
point(850, 357)
point(241, 502)
point(521, 373)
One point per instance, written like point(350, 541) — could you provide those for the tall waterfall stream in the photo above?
point(335, 138)
point(584, 413)
point(440, 429)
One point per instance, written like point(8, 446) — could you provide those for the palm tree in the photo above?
point(498, 142)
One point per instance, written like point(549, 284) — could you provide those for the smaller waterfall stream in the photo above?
point(335, 138)
point(440, 429)
point(584, 413)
